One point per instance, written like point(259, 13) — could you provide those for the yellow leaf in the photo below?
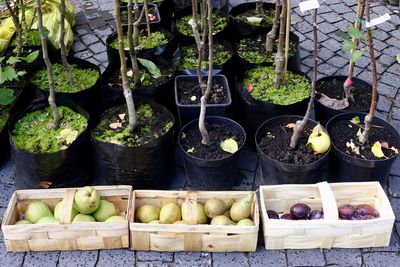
point(290, 125)
point(318, 128)
point(122, 116)
point(229, 145)
point(376, 149)
point(394, 149)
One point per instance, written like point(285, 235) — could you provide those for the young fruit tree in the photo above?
point(62, 43)
point(14, 9)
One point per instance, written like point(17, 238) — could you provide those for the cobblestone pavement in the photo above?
point(95, 23)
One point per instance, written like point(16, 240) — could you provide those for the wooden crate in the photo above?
point(328, 232)
point(191, 237)
point(65, 236)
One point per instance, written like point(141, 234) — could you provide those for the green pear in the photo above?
point(155, 222)
point(214, 207)
point(245, 222)
point(36, 211)
point(221, 220)
point(58, 210)
point(116, 218)
point(180, 222)
point(147, 213)
point(106, 210)
point(23, 222)
point(48, 219)
point(80, 218)
point(241, 209)
point(86, 200)
point(227, 214)
point(201, 215)
point(170, 213)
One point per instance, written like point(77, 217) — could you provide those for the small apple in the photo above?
point(147, 213)
point(58, 210)
point(116, 218)
point(319, 141)
point(36, 211)
point(86, 200)
point(106, 210)
point(170, 213)
point(23, 222)
point(48, 219)
point(83, 218)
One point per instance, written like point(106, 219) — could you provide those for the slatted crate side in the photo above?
point(169, 237)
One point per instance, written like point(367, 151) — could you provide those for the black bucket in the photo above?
point(289, 173)
point(65, 168)
point(147, 166)
point(345, 168)
point(218, 174)
point(323, 113)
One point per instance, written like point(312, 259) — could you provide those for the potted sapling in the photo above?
point(338, 94)
point(364, 146)
point(210, 145)
point(133, 142)
point(48, 138)
point(293, 149)
point(267, 91)
point(151, 12)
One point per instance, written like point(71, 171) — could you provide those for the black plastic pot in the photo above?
point(242, 29)
point(88, 99)
point(289, 173)
point(345, 168)
point(187, 112)
point(218, 174)
point(254, 112)
point(323, 113)
point(124, 7)
point(147, 166)
point(65, 168)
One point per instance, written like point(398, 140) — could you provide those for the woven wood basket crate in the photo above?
point(65, 236)
point(191, 237)
point(328, 232)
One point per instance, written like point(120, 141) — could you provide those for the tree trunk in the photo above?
point(146, 11)
point(299, 126)
point(132, 51)
point(125, 83)
point(270, 42)
point(259, 8)
point(52, 93)
point(287, 40)
point(62, 44)
point(14, 11)
point(279, 56)
point(370, 116)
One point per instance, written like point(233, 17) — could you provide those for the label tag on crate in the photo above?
point(377, 21)
point(308, 5)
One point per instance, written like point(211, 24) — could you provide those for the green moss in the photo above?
point(183, 27)
point(253, 50)
point(156, 39)
point(189, 57)
point(4, 115)
point(33, 133)
point(83, 79)
point(293, 89)
point(150, 126)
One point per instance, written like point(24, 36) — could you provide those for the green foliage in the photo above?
point(293, 89)
point(144, 42)
point(349, 42)
point(151, 67)
point(83, 79)
point(6, 96)
point(34, 133)
point(31, 38)
point(184, 28)
point(8, 70)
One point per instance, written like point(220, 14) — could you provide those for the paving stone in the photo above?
point(381, 259)
point(304, 68)
point(388, 27)
point(82, 29)
point(306, 45)
point(324, 53)
point(6, 190)
point(154, 264)
point(7, 173)
point(154, 256)
point(248, 159)
point(10, 259)
point(311, 257)
point(103, 31)
point(40, 259)
point(344, 257)
point(93, 14)
point(381, 35)
point(396, 207)
point(326, 28)
point(192, 259)
point(378, 45)
point(98, 48)
point(396, 113)
point(394, 245)
point(349, 3)
point(386, 90)
point(102, 57)
point(84, 54)
point(87, 258)
point(116, 257)
point(338, 61)
point(327, 69)
point(89, 39)
point(303, 26)
point(93, 60)
point(78, 46)
point(331, 17)
point(2, 211)
point(332, 45)
point(97, 23)
point(363, 61)
point(391, 79)
point(232, 259)
point(262, 257)
point(384, 104)
point(395, 68)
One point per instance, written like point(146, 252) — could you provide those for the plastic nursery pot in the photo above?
point(323, 113)
point(64, 168)
point(212, 174)
point(153, 10)
point(189, 112)
point(345, 168)
point(88, 99)
point(241, 28)
point(287, 173)
point(147, 166)
point(254, 112)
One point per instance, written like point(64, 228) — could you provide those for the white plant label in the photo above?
point(308, 5)
point(377, 21)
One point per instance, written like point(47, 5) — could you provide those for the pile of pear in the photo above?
point(215, 211)
point(87, 207)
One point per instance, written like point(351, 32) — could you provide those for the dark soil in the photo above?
point(343, 131)
point(187, 89)
point(191, 140)
point(274, 142)
point(334, 89)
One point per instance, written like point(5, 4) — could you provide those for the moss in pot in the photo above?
point(156, 38)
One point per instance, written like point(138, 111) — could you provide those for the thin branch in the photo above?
point(279, 56)
point(132, 51)
point(259, 8)
point(146, 11)
point(270, 41)
point(62, 43)
point(288, 19)
point(14, 11)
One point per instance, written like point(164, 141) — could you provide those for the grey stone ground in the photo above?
point(95, 23)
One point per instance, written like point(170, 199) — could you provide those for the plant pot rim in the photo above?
point(248, 5)
point(361, 114)
point(208, 118)
point(283, 163)
point(220, 76)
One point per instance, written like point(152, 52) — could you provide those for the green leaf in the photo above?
point(254, 20)
point(12, 60)
point(345, 37)
point(354, 32)
point(190, 150)
point(348, 45)
point(1, 59)
point(31, 57)
point(151, 67)
point(229, 145)
point(356, 120)
point(7, 74)
point(355, 55)
point(6, 96)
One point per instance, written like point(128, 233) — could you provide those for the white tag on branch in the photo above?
point(377, 21)
point(229, 145)
point(308, 5)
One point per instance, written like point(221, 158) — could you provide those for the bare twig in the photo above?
point(146, 11)
point(132, 51)
point(62, 43)
point(259, 8)
point(279, 56)
point(270, 41)
point(287, 34)
point(14, 11)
